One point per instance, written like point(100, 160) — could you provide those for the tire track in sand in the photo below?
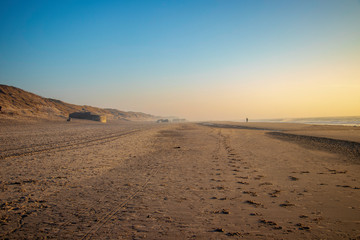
point(28, 151)
point(69, 146)
point(106, 217)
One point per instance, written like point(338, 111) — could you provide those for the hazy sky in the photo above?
point(201, 60)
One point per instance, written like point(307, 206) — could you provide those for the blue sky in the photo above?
point(196, 59)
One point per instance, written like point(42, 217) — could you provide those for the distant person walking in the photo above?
point(247, 119)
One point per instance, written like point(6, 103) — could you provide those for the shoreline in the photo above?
point(337, 132)
point(347, 148)
point(336, 139)
point(333, 121)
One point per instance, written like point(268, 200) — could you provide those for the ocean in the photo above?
point(346, 121)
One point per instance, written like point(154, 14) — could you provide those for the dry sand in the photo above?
point(87, 180)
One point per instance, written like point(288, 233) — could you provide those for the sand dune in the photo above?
point(86, 180)
point(21, 105)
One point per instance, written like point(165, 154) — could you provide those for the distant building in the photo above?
point(162, 121)
point(88, 116)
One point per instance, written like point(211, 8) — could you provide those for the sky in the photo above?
point(195, 59)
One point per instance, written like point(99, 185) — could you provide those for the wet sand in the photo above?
point(87, 180)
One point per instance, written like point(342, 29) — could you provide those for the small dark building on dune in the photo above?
point(162, 121)
point(88, 116)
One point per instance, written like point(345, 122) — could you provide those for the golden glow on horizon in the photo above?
point(317, 93)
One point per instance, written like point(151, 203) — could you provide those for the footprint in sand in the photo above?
point(302, 227)
point(274, 193)
point(253, 203)
point(274, 225)
point(234, 234)
point(334, 171)
point(244, 183)
point(292, 178)
point(242, 177)
point(223, 211)
point(253, 194)
point(347, 186)
point(255, 214)
point(265, 183)
point(286, 204)
point(258, 177)
point(218, 230)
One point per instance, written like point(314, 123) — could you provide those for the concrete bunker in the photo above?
point(162, 121)
point(88, 116)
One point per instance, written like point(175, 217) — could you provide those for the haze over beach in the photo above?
point(195, 119)
point(201, 60)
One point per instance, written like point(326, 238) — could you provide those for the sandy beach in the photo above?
point(219, 180)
